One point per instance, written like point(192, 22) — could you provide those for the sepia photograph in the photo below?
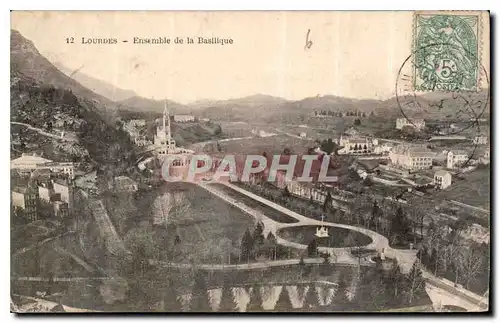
point(250, 161)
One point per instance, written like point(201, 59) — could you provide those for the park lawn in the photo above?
point(474, 189)
point(271, 145)
point(209, 230)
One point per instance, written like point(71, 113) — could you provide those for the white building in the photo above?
point(442, 179)
point(164, 145)
point(456, 158)
point(383, 149)
point(411, 157)
point(183, 118)
point(29, 163)
point(137, 123)
point(303, 135)
point(61, 209)
point(418, 124)
point(356, 145)
point(480, 140)
point(64, 190)
point(44, 192)
point(25, 198)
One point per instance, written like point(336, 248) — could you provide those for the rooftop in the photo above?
point(441, 173)
point(61, 181)
point(413, 150)
point(458, 152)
point(30, 159)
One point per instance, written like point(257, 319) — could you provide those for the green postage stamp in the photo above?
point(447, 51)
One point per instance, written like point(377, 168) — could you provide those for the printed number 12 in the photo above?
point(70, 40)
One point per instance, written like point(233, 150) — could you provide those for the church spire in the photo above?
point(166, 116)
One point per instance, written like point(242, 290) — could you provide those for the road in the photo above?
point(43, 133)
point(343, 255)
point(405, 258)
point(112, 240)
point(39, 243)
point(292, 135)
point(253, 265)
point(449, 294)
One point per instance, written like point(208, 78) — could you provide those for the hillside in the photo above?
point(44, 98)
point(27, 60)
point(272, 109)
point(100, 87)
point(140, 104)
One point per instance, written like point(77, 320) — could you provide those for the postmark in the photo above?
point(460, 107)
point(444, 82)
point(447, 52)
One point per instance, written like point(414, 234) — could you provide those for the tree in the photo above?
point(415, 282)
point(246, 245)
point(301, 262)
point(376, 214)
point(470, 262)
point(326, 263)
point(258, 233)
point(255, 303)
point(408, 130)
point(310, 299)
point(395, 282)
point(312, 248)
point(328, 201)
point(377, 293)
point(271, 241)
point(286, 192)
point(341, 301)
point(328, 146)
point(228, 301)
point(284, 304)
point(199, 297)
point(171, 302)
point(400, 227)
point(357, 122)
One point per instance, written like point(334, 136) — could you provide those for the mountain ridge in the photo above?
point(96, 85)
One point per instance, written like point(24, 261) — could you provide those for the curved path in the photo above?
point(447, 294)
point(42, 132)
point(378, 243)
point(252, 265)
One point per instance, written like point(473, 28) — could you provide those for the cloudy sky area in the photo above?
point(353, 54)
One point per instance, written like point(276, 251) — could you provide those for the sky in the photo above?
point(353, 54)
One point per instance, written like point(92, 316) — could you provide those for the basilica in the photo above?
point(164, 145)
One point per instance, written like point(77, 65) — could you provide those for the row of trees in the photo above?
point(449, 255)
point(372, 290)
point(402, 226)
point(254, 246)
point(341, 114)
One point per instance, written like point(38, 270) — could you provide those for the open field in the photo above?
point(209, 229)
point(474, 189)
point(268, 211)
point(271, 145)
